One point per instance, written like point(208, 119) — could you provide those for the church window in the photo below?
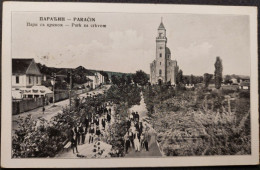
point(160, 54)
point(160, 72)
point(160, 63)
point(17, 79)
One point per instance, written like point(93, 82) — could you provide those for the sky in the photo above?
point(127, 44)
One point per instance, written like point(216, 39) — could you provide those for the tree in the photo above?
point(140, 78)
point(218, 72)
point(207, 78)
point(115, 79)
point(227, 79)
point(128, 79)
point(123, 79)
point(179, 77)
point(192, 79)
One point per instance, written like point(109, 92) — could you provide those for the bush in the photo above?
point(244, 94)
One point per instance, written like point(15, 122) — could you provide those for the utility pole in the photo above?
point(70, 88)
point(53, 84)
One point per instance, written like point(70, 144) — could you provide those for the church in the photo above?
point(163, 69)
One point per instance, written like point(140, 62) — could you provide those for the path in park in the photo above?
point(153, 147)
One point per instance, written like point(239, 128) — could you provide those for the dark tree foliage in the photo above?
point(218, 72)
point(128, 79)
point(207, 78)
point(115, 79)
point(179, 77)
point(140, 78)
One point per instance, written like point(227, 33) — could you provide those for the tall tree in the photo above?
point(192, 79)
point(218, 72)
point(179, 77)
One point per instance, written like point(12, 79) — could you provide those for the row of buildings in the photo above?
point(27, 79)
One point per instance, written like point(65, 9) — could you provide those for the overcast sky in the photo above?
point(127, 44)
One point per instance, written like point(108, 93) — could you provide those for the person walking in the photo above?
point(98, 132)
point(140, 128)
point(87, 121)
point(77, 134)
point(136, 116)
point(103, 121)
point(127, 142)
point(131, 137)
point(73, 140)
point(146, 139)
point(142, 140)
point(128, 123)
point(82, 133)
point(91, 133)
point(136, 141)
point(108, 117)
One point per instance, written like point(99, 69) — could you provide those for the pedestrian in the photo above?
point(98, 133)
point(140, 128)
point(108, 117)
point(142, 140)
point(73, 140)
point(87, 121)
point(131, 137)
point(133, 116)
point(91, 133)
point(97, 121)
point(103, 121)
point(127, 142)
point(77, 133)
point(146, 139)
point(128, 123)
point(137, 116)
point(82, 133)
point(136, 141)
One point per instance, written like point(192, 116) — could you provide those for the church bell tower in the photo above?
point(161, 41)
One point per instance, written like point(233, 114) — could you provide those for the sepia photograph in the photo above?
point(110, 85)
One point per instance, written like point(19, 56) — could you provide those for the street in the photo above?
point(50, 110)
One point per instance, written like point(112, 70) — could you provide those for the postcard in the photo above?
point(128, 85)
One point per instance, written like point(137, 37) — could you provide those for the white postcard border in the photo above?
point(6, 160)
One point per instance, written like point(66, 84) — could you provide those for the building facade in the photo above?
point(25, 73)
point(163, 69)
point(27, 80)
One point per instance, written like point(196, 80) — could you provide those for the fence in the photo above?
point(30, 104)
point(26, 105)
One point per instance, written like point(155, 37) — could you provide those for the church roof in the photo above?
point(168, 51)
point(161, 27)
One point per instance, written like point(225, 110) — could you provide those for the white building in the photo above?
point(26, 79)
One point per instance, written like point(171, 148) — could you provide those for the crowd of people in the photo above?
point(92, 123)
point(137, 134)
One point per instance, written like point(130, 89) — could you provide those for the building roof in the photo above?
point(20, 65)
point(245, 84)
point(168, 51)
point(161, 27)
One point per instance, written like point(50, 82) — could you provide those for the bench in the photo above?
point(66, 144)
